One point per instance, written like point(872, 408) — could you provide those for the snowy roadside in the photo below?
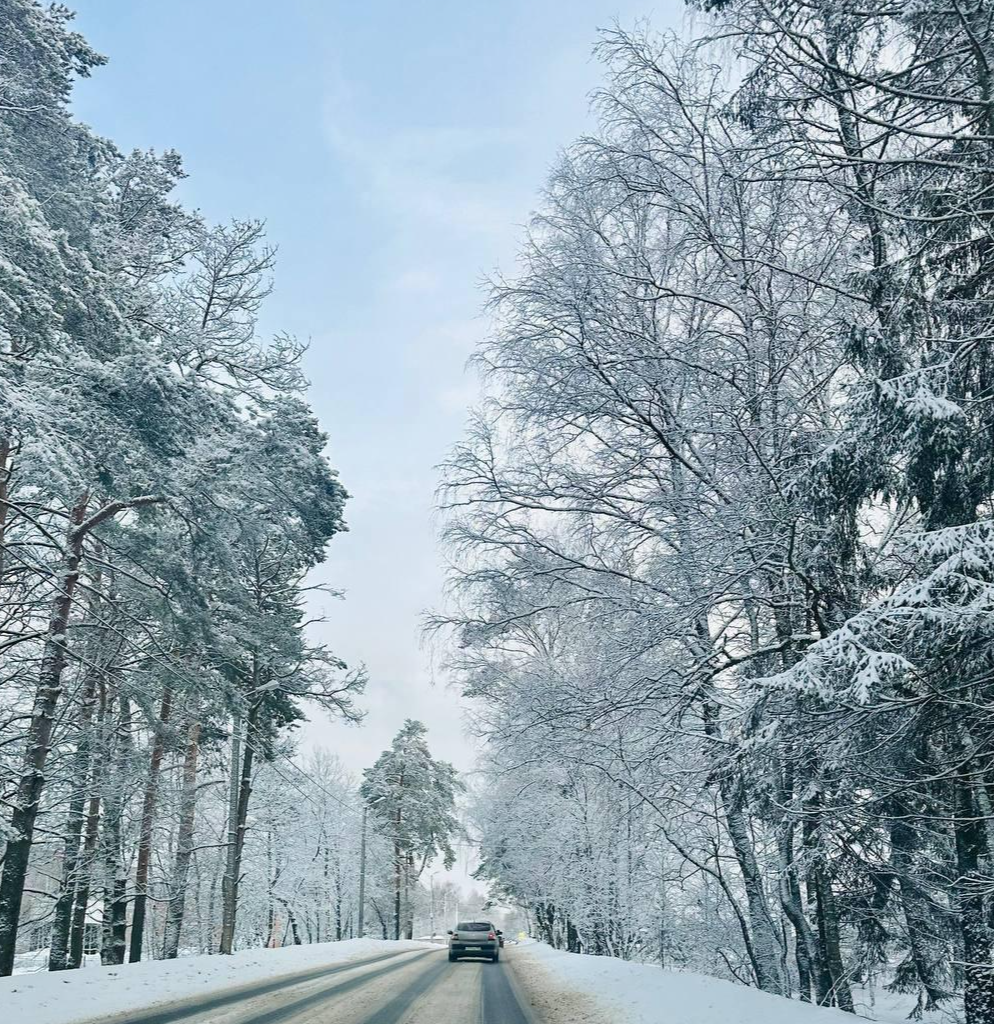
point(96, 992)
point(567, 988)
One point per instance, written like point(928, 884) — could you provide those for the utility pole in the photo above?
point(362, 873)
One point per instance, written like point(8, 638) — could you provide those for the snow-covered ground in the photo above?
point(896, 1008)
point(36, 960)
point(97, 992)
point(567, 988)
point(562, 988)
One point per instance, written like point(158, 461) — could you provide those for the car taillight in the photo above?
point(490, 935)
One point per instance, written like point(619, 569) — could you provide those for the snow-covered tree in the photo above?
point(722, 524)
point(412, 797)
point(164, 491)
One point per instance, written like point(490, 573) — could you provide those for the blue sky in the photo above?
point(395, 150)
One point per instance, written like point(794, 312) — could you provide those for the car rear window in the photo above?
point(473, 926)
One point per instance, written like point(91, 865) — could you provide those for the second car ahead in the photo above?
point(474, 938)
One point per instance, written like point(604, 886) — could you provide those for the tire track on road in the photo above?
point(191, 1007)
point(290, 1009)
point(503, 1002)
point(401, 1003)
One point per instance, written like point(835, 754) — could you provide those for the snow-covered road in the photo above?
point(416, 986)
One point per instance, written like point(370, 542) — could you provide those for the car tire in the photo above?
point(452, 958)
point(495, 958)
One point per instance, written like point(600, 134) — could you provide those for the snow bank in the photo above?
point(97, 992)
point(568, 987)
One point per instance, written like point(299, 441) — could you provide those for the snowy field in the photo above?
point(96, 992)
point(567, 988)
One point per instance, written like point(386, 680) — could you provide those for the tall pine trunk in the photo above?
point(147, 821)
point(184, 845)
point(241, 790)
point(77, 933)
point(114, 922)
point(73, 856)
point(229, 878)
point(408, 904)
point(398, 867)
point(398, 885)
point(39, 740)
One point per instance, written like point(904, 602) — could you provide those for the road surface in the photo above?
point(412, 987)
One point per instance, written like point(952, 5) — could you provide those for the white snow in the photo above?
point(605, 990)
point(563, 988)
point(93, 993)
point(36, 960)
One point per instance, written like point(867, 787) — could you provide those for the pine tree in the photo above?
point(412, 796)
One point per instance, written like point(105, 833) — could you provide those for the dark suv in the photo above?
point(474, 938)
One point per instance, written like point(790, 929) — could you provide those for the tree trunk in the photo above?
point(765, 941)
point(5, 473)
point(145, 834)
point(292, 921)
point(39, 740)
point(829, 933)
point(805, 943)
point(59, 958)
point(398, 885)
point(184, 845)
point(822, 975)
point(228, 880)
point(242, 789)
point(81, 902)
point(914, 904)
point(338, 898)
point(971, 885)
point(382, 919)
point(77, 936)
point(805, 949)
point(115, 910)
point(408, 904)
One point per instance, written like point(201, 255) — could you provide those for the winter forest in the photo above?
point(163, 494)
point(725, 518)
point(721, 596)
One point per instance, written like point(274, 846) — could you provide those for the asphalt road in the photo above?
point(416, 987)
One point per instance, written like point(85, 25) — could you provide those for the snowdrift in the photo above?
point(564, 988)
